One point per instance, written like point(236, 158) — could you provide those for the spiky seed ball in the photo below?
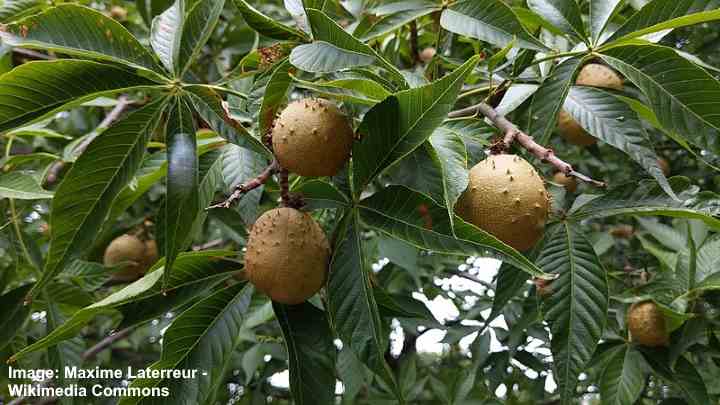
point(569, 183)
point(647, 324)
point(592, 74)
point(136, 256)
point(312, 137)
point(287, 255)
point(507, 198)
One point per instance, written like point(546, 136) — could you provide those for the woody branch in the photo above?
point(513, 134)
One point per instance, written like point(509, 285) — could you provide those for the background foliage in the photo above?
point(119, 115)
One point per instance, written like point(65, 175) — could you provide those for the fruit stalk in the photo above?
point(246, 187)
point(513, 134)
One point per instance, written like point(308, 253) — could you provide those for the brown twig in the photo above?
point(123, 103)
point(90, 353)
point(513, 134)
point(289, 199)
point(252, 184)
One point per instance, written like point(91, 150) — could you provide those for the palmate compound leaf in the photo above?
point(311, 351)
point(614, 122)
point(266, 25)
point(682, 95)
point(623, 379)
point(91, 35)
point(394, 128)
point(600, 14)
point(199, 25)
point(85, 196)
point(577, 307)
point(647, 198)
point(145, 299)
point(30, 92)
point(166, 36)
point(202, 338)
point(564, 14)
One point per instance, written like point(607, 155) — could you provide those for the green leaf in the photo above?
point(391, 22)
point(414, 218)
point(614, 122)
point(708, 261)
point(14, 313)
point(659, 15)
point(623, 379)
point(549, 97)
point(488, 20)
point(85, 196)
point(334, 46)
point(91, 35)
point(564, 14)
point(12, 9)
point(275, 95)
point(600, 14)
point(196, 31)
point(324, 57)
point(311, 353)
point(682, 95)
point(194, 273)
point(211, 109)
point(318, 194)
point(203, 338)
point(149, 9)
point(151, 171)
point(30, 93)
point(240, 165)
point(647, 198)
point(685, 378)
point(577, 308)
point(182, 203)
point(352, 90)
point(66, 354)
point(166, 36)
point(21, 186)
point(267, 26)
point(350, 300)
point(394, 128)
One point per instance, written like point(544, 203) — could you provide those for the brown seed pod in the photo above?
point(136, 256)
point(507, 198)
point(312, 137)
point(569, 183)
point(647, 324)
point(287, 255)
point(592, 74)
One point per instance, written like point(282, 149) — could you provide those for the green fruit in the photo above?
point(592, 74)
point(312, 137)
point(287, 255)
point(134, 255)
point(507, 198)
point(647, 325)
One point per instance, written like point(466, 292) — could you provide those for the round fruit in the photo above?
point(592, 74)
point(569, 183)
point(135, 255)
point(597, 75)
point(427, 54)
point(647, 325)
point(312, 137)
point(507, 198)
point(287, 255)
point(572, 132)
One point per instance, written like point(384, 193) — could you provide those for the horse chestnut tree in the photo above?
point(361, 201)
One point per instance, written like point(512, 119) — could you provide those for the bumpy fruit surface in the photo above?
point(507, 198)
point(312, 137)
point(647, 325)
point(592, 74)
point(134, 254)
point(569, 183)
point(287, 255)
